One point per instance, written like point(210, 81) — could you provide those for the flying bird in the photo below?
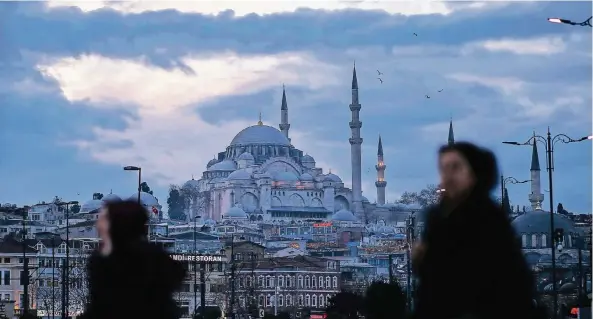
point(441, 90)
point(380, 80)
point(379, 72)
point(427, 96)
point(415, 34)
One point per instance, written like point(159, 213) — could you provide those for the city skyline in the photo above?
point(167, 90)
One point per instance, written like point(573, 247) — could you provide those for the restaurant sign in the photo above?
point(322, 224)
point(206, 258)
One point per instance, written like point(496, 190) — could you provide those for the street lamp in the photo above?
point(549, 142)
point(565, 21)
point(509, 180)
point(139, 169)
point(66, 269)
point(25, 276)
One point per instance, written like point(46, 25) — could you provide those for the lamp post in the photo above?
point(66, 269)
point(231, 312)
point(503, 185)
point(25, 276)
point(565, 21)
point(195, 270)
point(139, 169)
point(549, 142)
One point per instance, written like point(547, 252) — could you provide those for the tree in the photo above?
point(384, 301)
point(506, 203)
point(426, 197)
point(145, 188)
point(75, 209)
point(176, 203)
point(344, 305)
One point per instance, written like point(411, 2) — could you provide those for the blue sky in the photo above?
point(89, 87)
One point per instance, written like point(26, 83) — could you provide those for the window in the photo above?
point(260, 281)
point(321, 301)
point(241, 282)
point(269, 282)
point(320, 281)
point(280, 281)
point(7, 260)
point(248, 282)
point(307, 282)
point(288, 281)
point(280, 300)
point(300, 299)
point(313, 282)
point(335, 280)
point(260, 301)
point(534, 240)
point(300, 281)
point(328, 283)
point(544, 241)
point(268, 301)
point(524, 241)
point(307, 301)
point(6, 277)
point(314, 301)
point(288, 300)
point(6, 296)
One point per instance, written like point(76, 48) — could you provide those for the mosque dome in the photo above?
point(333, 178)
point(343, 216)
point(226, 165)
point(240, 174)
point(145, 198)
point(260, 134)
point(111, 198)
point(211, 162)
point(235, 212)
point(192, 183)
point(306, 177)
point(538, 222)
point(246, 156)
point(307, 159)
point(91, 205)
point(285, 176)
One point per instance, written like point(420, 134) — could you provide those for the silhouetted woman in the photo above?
point(128, 276)
point(469, 263)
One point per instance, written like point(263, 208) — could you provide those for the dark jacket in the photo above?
point(138, 278)
point(473, 265)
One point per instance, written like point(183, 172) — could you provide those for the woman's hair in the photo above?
point(482, 162)
point(127, 221)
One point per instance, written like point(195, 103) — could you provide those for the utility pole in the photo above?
point(232, 283)
point(25, 276)
point(203, 288)
point(390, 268)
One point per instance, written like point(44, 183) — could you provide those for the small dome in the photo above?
point(285, 176)
point(91, 205)
point(235, 212)
point(111, 198)
point(240, 174)
point(145, 198)
point(307, 159)
point(211, 162)
point(306, 177)
point(343, 216)
point(538, 222)
point(246, 156)
point(333, 178)
point(260, 134)
point(226, 165)
point(547, 258)
point(192, 183)
point(365, 200)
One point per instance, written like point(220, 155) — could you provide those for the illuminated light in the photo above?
point(322, 224)
point(555, 20)
point(590, 137)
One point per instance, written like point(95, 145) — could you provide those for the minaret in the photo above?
point(284, 126)
point(451, 140)
point(536, 197)
point(380, 183)
point(355, 147)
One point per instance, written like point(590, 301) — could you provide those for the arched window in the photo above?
point(307, 301)
point(534, 241)
point(269, 282)
point(288, 300)
point(268, 301)
point(524, 241)
point(307, 282)
point(280, 281)
point(280, 300)
point(314, 301)
point(320, 281)
point(300, 281)
point(335, 280)
point(570, 244)
point(321, 301)
point(260, 281)
point(328, 282)
point(313, 282)
point(300, 299)
point(260, 301)
point(544, 241)
point(289, 281)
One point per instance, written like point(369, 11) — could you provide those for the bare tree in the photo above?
point(195, 200)
point(426, 197)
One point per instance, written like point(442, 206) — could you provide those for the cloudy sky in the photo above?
point(88, 87)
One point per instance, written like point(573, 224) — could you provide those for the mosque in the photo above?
point(261, 176)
